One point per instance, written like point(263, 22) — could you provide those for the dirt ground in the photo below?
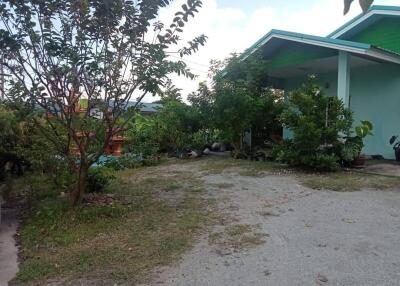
point(8, 249)
point(267, 228)
point(285, 234)
point(390, 168)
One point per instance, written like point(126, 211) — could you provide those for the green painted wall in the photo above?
point(374, 96)
point(385, 34)
point(296, 54)
point(328, 82)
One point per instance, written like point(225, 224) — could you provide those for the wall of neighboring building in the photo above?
point(385, 33)
point(374, 96)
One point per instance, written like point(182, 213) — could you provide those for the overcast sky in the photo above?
point(234, 25)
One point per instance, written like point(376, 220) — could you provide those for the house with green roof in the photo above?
point(359, 63)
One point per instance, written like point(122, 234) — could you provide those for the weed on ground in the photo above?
point(152, 219)
point(347, 181)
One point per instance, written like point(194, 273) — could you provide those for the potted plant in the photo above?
point(351, 152)
point(396, 147)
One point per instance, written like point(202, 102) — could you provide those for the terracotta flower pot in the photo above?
point(359, 161)
point(397, 153)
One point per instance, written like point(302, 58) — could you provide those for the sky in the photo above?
point(234, 25)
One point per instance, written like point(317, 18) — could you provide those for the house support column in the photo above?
point(343, 91)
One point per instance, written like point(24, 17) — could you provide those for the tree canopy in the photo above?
point(100, 52)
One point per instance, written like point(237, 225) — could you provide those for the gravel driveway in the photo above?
point(311, 237)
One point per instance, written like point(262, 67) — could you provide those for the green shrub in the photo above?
point(171, 128)
point(126, 161)
point(204, 137)
point(317, 122)
point(349, 151)
point(99, 177)
point(285, 153)
point(147, 148)
point(241, 101)
point(322, 162)
point(130, 161)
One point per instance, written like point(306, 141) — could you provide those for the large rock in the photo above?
point(193, 154)
point(216, 147)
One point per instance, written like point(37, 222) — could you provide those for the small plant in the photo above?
point(349, 152)
point(127, 161)
point(396, 146)
point(353, 145)
point(364, 130)
point(285, 152)
point(98, 178)
point(203, 138)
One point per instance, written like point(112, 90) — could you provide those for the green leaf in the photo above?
point(368, 124)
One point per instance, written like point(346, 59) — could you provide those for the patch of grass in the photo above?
point(173, 186)
point(31, 186)
point(349, 181)
point(244, 167)
point(238, 237)
point(142, 229)
point(253, 172)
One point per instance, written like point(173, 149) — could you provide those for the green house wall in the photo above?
point(374, 96)
point(296, 54)
point(384, 34)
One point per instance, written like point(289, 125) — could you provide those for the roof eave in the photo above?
point(347, 46)
point(384, 55)
point(306, 39)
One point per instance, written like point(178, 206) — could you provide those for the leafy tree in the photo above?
point(143, 136)
point(60, 52)
point(365, 4)
point(243, 101)
point(24, 148)
point(233, 111)
point(170, 130)
point(203, 101)
point(177, 122)
point(10, 134)
point(170, 92)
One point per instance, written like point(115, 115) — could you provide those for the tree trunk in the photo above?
point(80, 184)
point(2, 169)
point(237, 151)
